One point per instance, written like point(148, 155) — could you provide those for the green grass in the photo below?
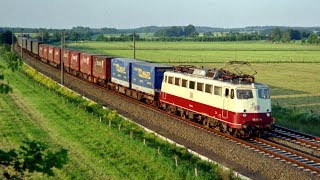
point(94, 149)
point(206, 52)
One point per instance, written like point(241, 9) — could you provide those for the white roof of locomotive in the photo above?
point(216, 82)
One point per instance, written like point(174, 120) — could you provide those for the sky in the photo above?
point(65, 14)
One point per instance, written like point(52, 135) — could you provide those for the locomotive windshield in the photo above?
point(263, 93)
point(244, 94)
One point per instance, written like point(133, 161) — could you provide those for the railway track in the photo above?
point(298, 159)
point(297, 137)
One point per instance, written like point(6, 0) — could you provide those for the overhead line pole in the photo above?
point(21, 42)
point(134, 45)
point(12, 40)
point(62, 57)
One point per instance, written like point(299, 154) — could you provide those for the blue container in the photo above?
point(121, 71)
point(147, 77)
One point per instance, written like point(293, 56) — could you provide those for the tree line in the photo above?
point(174, 33)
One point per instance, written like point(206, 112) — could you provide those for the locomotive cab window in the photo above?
point(263, 93)
point(191, 84)
point(177, 81)
point(170, 80)
point(165, 79)
point(184, 83)
point(244, 94)
point(200, 86)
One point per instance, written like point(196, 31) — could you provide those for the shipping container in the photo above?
point(66, 58)
point(20, 41)
point(102, 67)
point(24, 43)
point(29, 44)
point(75, 60)
point(121, 71)
point(50, 53)
point(35, 47)
point(147, 77)
point(86, 63)
point(57, 55)
point(43, 51)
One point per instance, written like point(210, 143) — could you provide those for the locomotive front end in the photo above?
point(253, 107)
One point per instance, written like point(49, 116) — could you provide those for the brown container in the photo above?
point(102, 67)
point(66, 58)
point(41, 50)
point(45, 51)
point(57, 55)
point(51, 53)
point(75, 60)
point(86, 63)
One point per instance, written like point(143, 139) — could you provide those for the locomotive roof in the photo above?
point(204, 79)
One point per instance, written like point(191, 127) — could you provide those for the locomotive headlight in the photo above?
point(244, 113)
point(268, 114)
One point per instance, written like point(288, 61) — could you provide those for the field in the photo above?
point(291, 70)
point(32, 111)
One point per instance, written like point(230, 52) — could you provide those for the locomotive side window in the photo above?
point(217, 90)
point(191, 84)
point(170, 80)
point(226, 92)
point(177, 81)
point(244, 94)
point(232, 94)
point(208, 88)
point(165, 79)
point(184, 83)
point(200, 86)
point(263, 93)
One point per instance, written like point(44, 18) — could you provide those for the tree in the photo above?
point(208, 34)
point(305, 34)
point(312, 39)
point(294, 34)
point(6, 37)
point(56, 37)
point(276, 34)
point(101, 38)
point(190, 30)
point(32, 156)
point(74, 36)
point(286, 36)
point(173, 31)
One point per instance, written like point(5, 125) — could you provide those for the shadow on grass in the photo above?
point(32, 156)
point(306, 103)
point(276, 91)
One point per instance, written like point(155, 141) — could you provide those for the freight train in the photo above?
point(218, 99)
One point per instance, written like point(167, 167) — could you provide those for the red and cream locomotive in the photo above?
point(231, 103)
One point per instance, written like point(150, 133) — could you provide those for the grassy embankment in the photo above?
point(39, 109)
point(294, 85)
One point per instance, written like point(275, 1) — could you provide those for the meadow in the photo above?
point(95, 151)
point(290, 69)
